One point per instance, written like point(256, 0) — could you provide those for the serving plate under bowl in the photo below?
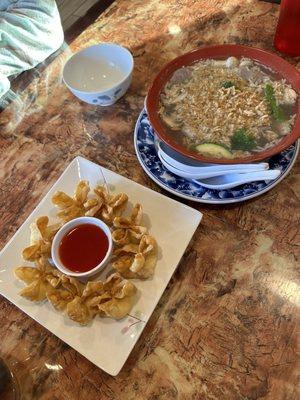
point(278, 65)
point(144, 141)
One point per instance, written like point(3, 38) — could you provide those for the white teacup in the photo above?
point(99, 74)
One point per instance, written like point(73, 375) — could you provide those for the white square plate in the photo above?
point(106, 342)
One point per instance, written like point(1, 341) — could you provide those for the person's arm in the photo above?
point(30, 30)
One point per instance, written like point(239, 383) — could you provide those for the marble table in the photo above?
point(226, 327)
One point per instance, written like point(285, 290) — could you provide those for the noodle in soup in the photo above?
point(227, 108)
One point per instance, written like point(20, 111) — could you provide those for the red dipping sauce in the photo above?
point(83, 248)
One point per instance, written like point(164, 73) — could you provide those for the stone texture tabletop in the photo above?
point(227, 326)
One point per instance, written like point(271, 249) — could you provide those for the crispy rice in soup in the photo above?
point(227, 108)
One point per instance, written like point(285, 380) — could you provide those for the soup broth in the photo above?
point(227, 108)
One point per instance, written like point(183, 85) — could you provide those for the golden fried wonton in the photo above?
point(78, 311)
point(40, 239)
point(134, 256)
point(136, 261)
point(59, 298)
point(113, 297)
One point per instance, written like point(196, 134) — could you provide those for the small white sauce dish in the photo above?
point(99, 74)
point(66, 229)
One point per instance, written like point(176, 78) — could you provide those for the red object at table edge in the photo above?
point(287, 37)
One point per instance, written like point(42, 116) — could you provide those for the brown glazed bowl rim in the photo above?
point(281, 67)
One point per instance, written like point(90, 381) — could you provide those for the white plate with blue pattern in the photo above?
point(148, 158)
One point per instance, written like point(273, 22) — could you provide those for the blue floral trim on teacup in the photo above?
point(104, 99)
point(117, 92)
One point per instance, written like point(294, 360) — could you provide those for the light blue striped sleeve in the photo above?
point(30, 30)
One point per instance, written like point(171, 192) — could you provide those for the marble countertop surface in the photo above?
point(227, 326)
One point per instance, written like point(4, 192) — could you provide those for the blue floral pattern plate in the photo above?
point(148, 158)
